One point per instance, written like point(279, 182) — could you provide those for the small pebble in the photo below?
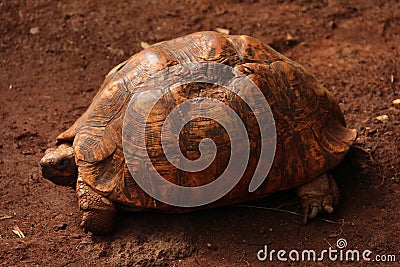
point(76, 236)
point(396, 101)
point(28, 152)
point(144, 45)
point(223, 30)
point(383, 118)
point(34, 30)
point(61, 226)
point(289, 37)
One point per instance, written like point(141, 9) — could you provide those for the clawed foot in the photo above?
point(93, 221)
point(319, 195)
point(98, 212)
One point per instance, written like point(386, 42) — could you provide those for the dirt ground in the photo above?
point(54, 56)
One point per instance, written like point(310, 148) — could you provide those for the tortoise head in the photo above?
point(58, 165)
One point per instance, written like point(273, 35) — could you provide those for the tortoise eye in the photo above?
point(61, 163)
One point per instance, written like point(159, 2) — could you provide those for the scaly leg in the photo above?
point(319, 195)
point(98, 212)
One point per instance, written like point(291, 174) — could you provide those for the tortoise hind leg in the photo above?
point(98, 212)
point(318, 195)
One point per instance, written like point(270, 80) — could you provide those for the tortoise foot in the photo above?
point(319, 195)
point(98, 212)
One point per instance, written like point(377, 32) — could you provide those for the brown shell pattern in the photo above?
point(311, 133)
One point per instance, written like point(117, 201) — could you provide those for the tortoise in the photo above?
point(311, 133)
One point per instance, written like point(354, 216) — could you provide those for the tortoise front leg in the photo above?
point(98, 212)
point(321, 194)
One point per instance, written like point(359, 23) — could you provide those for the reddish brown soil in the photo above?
point(49, 78)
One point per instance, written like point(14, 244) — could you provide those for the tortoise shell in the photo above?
point(312, 137)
